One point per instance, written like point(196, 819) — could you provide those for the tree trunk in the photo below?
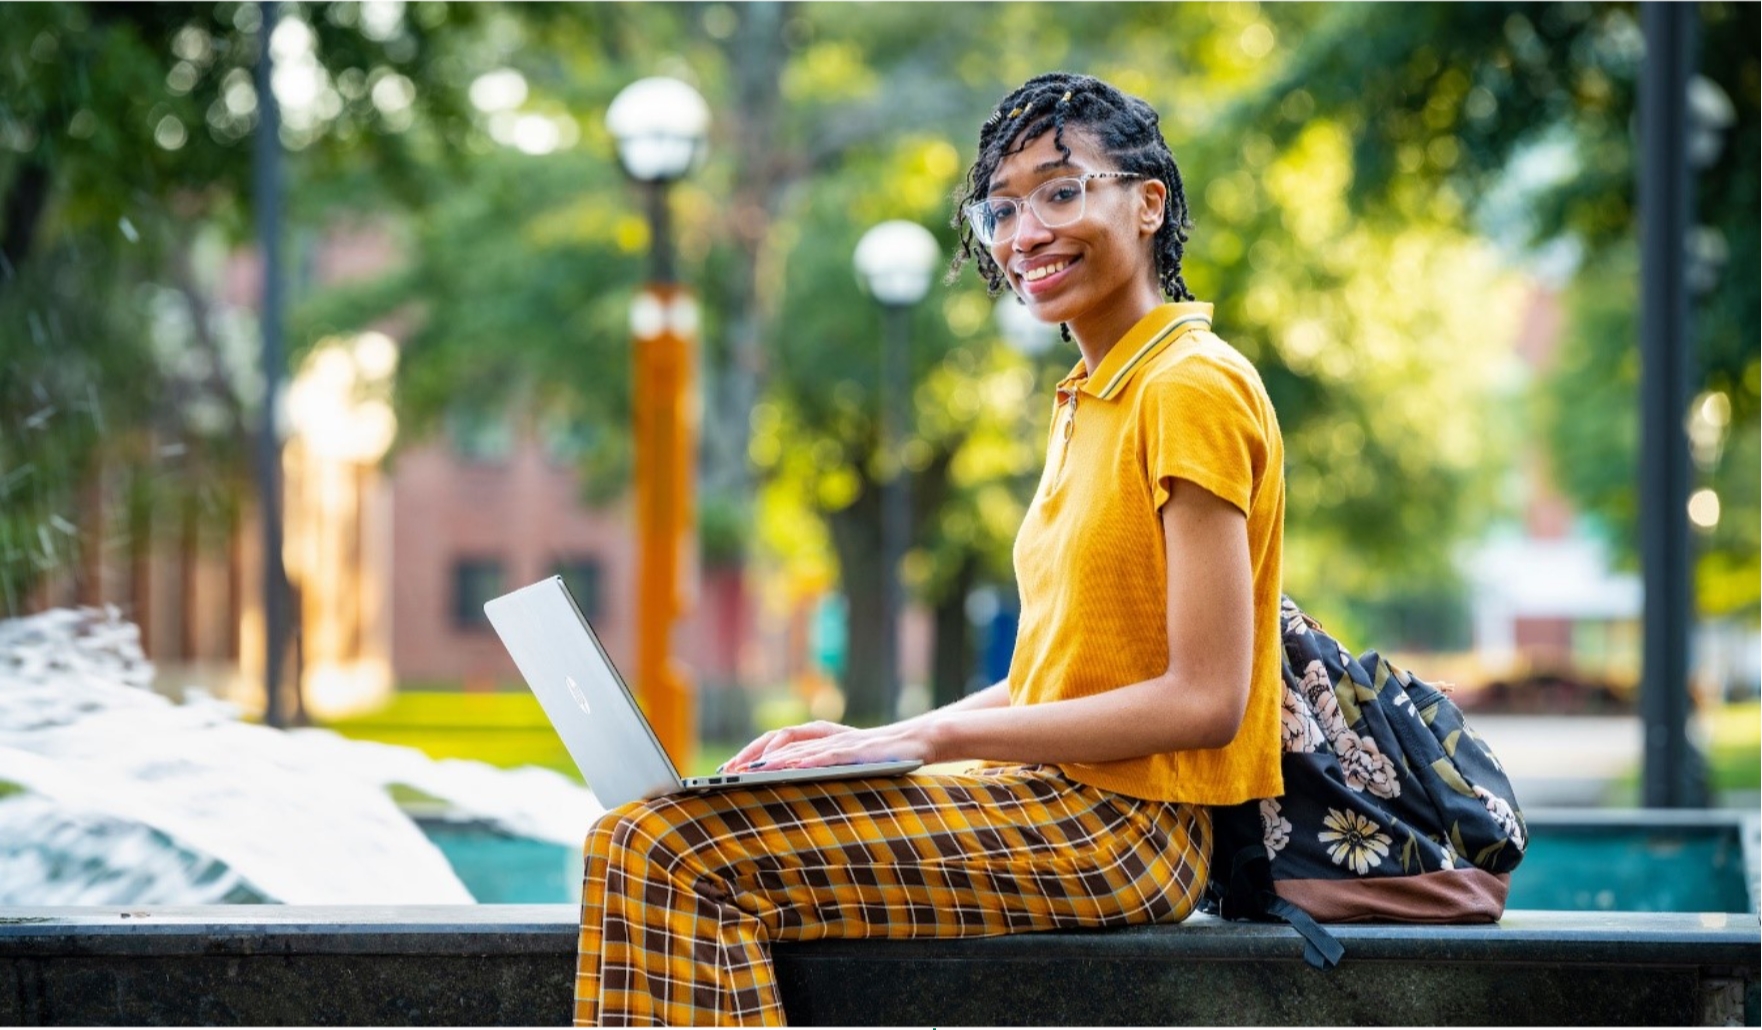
point(757, 54)
point(953, 661)
point(235, 582)
point(89, 566)
point(189, 544)
point(216, 382)
point(140, 564)
point(856, 536)
point(26, 200)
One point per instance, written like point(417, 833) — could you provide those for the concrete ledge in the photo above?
point(514, 964)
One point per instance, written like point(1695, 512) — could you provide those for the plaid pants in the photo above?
point(683, 895)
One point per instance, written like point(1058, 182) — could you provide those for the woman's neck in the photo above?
point(1107, 323)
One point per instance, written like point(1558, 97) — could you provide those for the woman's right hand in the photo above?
point(768, 742)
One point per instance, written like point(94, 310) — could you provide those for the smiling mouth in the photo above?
point(1040, 273)
point(1034, 275)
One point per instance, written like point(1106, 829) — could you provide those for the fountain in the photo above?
point(111, 794)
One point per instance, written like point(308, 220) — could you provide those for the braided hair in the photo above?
point(1124, 126)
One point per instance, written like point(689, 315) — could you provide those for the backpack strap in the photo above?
point(1250, 895)
point(1247, 886)
point(1321, 949)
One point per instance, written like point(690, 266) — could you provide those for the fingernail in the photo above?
point(722, 768)
point(756, 765)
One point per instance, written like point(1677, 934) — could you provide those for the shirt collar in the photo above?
point(1155, 331)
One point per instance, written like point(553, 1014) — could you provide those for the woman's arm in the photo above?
point(994, 696)
point(1196, 703)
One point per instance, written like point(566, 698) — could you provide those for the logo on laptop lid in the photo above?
point(575, 692)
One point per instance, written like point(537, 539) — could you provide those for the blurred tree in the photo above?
point(1343, 164)
point(1586, 406)
point(872, 110)
point(514, 295)
point(874, 107)
point(840, 117)
point(124, 153)
point(1516, 120)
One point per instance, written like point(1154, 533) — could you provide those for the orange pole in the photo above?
point(665, 327)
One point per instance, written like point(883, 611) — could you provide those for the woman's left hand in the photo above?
point(900, 741)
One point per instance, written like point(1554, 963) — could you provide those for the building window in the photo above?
point(480, 436)
point(475, 580)
point(565, 439)
point(582, 576)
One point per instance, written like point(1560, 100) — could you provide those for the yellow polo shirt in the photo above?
point(1170, 401)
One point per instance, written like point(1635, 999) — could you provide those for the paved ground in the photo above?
point(1562, 761)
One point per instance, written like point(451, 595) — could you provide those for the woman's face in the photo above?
point(1102, 262)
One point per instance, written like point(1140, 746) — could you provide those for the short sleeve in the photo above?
point(1202, 422)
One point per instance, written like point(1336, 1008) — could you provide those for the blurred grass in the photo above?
point(507, 730)
point(1734, 754)
point(504, 729)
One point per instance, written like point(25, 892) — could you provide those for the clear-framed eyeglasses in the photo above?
point(1053, 203)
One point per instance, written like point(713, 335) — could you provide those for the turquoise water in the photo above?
point(1579, 868)
point(501, 869)
point(1632, 869)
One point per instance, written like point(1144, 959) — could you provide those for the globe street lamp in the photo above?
point(1026, 335)
point(660, 126)
point(895, 261)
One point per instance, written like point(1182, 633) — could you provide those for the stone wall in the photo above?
point(514, 965)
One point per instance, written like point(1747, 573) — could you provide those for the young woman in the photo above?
point(1145, 680)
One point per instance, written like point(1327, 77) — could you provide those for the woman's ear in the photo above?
point(1153, 205)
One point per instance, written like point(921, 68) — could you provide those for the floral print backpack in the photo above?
point(1393, 811)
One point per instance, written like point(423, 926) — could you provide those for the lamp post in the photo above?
point(266, 201)
point(660, 125)
point(895, 261)
point(1673, 771)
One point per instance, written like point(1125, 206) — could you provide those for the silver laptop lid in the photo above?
point(582, 693)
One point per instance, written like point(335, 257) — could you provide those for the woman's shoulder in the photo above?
point(1204, 361)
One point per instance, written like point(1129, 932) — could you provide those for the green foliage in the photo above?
point(1371, 332)
point(1588, 403)
point(125, 164)
point(1517, 120)
point(1588, 410)
point(54, 401)
point(722, 532)
point(520, 295)
point(1347, 166)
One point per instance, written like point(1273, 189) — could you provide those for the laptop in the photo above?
point(594, 713)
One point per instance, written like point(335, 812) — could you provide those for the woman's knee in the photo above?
point(613, 828)
point(648, 827)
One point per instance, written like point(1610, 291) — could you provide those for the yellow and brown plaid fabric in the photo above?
point(684, 895)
